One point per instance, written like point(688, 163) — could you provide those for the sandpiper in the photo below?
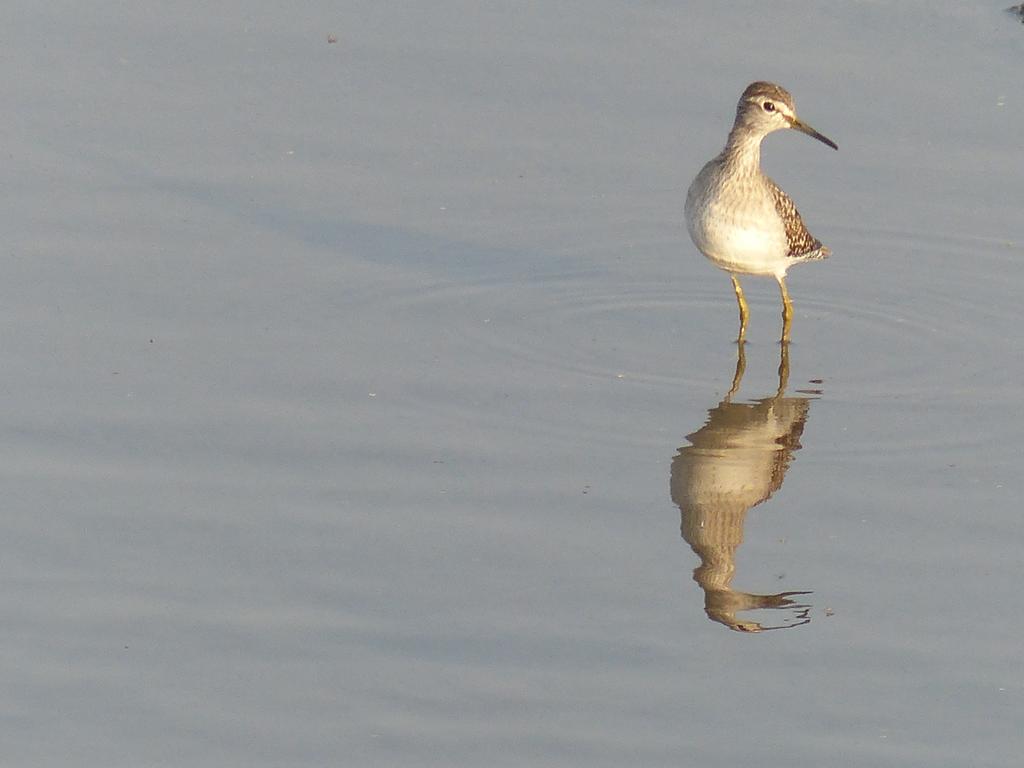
point(737, 216)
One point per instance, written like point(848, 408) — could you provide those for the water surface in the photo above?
point(347, 385)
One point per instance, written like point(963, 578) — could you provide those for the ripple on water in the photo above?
point(575, 328)
point(566, 356)
point(893, 322)
point(909, 332)
point(913, 314)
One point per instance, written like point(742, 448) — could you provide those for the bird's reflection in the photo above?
point(737, 460)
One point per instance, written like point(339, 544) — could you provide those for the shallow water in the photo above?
point(349, 389)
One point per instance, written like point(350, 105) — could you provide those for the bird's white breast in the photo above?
point(736, 225)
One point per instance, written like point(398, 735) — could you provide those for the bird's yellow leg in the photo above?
point(744, 310)
point(787, 310)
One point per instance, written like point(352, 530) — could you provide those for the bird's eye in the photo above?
point(769, 106)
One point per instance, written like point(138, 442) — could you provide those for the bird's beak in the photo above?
point(805, 128)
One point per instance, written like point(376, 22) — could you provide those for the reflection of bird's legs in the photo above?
point(741, 366)
point(783, 369)
point(744, 311)
point(787, 309)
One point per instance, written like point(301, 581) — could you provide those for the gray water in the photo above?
point(348, 388)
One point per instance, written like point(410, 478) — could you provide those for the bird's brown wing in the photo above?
point(802, 244)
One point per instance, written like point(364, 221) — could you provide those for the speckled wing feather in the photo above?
point(802, 244)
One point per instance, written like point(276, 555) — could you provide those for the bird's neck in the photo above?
point(743, 151)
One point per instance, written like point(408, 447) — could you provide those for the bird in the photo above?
point(738, 217)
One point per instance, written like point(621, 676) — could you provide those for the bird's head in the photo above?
point(766, 107)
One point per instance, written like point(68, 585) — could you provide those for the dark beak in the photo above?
point(805, 128)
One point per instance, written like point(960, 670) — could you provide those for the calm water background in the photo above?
point(343, 381)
